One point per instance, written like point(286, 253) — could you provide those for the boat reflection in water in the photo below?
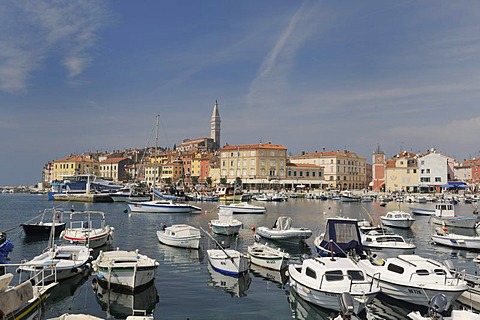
point(235, 286)
point(279, 278)
point(121, 305)
point(66, 289)
point(305, 310)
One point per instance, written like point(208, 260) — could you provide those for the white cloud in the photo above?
point(34, 31)
point(271, 75)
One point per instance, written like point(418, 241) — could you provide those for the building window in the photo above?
point(438, 179)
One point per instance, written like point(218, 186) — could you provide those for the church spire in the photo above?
point(215, 125)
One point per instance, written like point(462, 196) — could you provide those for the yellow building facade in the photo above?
point(74, 165)
point(253, 163)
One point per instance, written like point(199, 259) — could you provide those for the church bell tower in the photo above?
point(215, 125)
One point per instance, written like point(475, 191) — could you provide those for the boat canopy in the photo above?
point(455, 185)
point(283, 223)
point(345, 235)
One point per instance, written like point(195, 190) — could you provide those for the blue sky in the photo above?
point(80, 76)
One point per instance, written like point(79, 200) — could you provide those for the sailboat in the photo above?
point(162, 205)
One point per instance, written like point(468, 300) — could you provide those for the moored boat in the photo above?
point(243, 207)
point(454, 240)
point(124, 270)
point(63, 261)
point(88, 228)
point(322, 280)
point(42, 228)
point(414, 279)
point(397, 219)
point(162, 206)
point(268, 257)
point(282, 230)
point(228, 261)
point(25, 300)
point(225, 224)
point(180, 235)
point(382, 244)
point(348, 196)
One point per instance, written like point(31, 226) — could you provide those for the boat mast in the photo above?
point(156, 152)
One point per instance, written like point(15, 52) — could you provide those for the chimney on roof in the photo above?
point(303, 153)
point(323, 149)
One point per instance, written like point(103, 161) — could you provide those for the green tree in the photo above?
point(208, 181)
point(223, 181)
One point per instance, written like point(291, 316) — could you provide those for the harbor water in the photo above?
point(186, 287)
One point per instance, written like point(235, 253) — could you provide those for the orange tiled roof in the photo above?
point(75, 159)
point(114, 160)
point(254, 146)
point(317, 154)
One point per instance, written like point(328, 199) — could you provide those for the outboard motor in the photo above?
point(345, 301)
point(437, 305)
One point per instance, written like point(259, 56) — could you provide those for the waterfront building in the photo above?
point(254, 164)
point(434, 170)
point(150, 173)
point(476, 173)
point(464, 171)
point(401, 173)
point(342, 169)
point(172, 172)
point(304, 175)
point(74, 165)
point(114, 168)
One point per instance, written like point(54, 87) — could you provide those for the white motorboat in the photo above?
point(129, 194)
point(228, 261)
point(397, 219)
point(414, 279)
point(243, 207)
point(124, 270)
point(341, 237)
point(322, 280)
point(382, 244)
point(348, 196)
point(88, 228)
point(180, 235)
point(459, 241)
point(468, 222)
point(65, 261)
point(268, 257)
point(440, 209)
point(225, 224)
point(162, 206)
point(282, 230)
